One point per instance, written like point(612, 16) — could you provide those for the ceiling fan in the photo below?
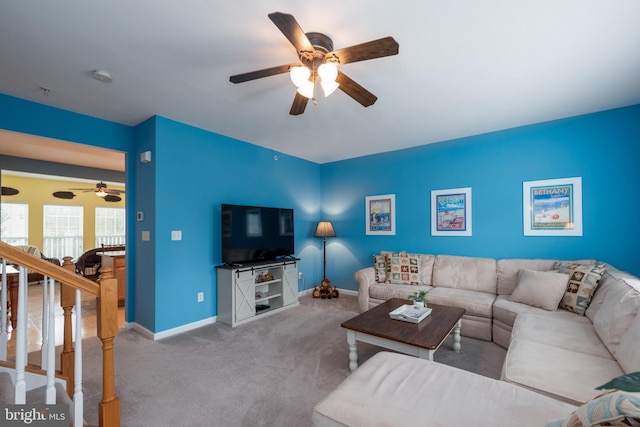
point(101, 190)
point(317, 58)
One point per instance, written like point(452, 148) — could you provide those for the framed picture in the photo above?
point(553, 207)
point(381, 215)
point(451, 212)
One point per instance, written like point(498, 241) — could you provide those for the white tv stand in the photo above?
point(247, 292)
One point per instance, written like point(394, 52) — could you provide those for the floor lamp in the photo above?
point(324, 230)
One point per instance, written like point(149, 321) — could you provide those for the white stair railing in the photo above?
point(20, 388)
point(25, 378)
point(51, 342)
point(4, 333)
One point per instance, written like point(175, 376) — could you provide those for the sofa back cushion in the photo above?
point(507, 270)
point(612, 320)
point(543, 289)
point(426, 271)
point(469, 273)
point(628, 354)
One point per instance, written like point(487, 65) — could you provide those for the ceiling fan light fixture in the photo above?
point(101, 193)
point(306, 89)
point(328, 87)
point(328, 72)
point(300, 75)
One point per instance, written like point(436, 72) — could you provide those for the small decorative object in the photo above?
point(419, 298)
point(335, 293)
point(316, 293)
point(410, 313)
point(325, 289)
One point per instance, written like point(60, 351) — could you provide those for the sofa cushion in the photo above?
point(557, 372)
point(582, 284)
point(542, 289)
point(475, 303)
point(469, 273)
point(505, 310)
point(613, 318)
point(610, 409)
point(572, 332)
point(404, 268)
point(508, 269)
point(396, 390)
point(385, 291)
point(598, 295)
point(628, 353)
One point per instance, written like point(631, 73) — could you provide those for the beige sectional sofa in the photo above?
point(550, 350)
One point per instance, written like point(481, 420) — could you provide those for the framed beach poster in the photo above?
point(451, 212)
point(553, 207)
point(381, 215)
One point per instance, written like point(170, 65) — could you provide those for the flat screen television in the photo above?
point(255, 233)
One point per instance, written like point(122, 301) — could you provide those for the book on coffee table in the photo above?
point(410, 313)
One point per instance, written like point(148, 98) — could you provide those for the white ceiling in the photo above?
point(465, 67)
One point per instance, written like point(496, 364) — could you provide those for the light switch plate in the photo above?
point(176, 235)
point(146, 236)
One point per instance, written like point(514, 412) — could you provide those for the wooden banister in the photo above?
point(48, 269)
point(106, 292)
point(67, 301)
point(109, 408)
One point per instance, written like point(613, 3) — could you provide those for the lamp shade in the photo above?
point(325, 229)
point(328, 71)
point(299, 75)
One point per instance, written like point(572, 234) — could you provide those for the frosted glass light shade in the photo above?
point(328, 71)
point(329, 87)
point(306, 90)
point(299, 75)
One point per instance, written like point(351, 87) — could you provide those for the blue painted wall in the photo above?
point(602, 148)
point(195, 172)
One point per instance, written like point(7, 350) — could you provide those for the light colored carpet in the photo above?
point(270, 372)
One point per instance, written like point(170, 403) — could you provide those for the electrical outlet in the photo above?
point(200, 296)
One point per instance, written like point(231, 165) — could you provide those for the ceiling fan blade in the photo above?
point(370, 50)
point(354, 90)
point(258, 74)
point(299, 105)
point(292, 31)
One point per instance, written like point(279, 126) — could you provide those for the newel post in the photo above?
point(109, 409)
point(67, 301)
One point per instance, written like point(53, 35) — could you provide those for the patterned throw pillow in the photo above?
point(403, 268)
point(611, 409)
point(380, 268)
point(582, 284)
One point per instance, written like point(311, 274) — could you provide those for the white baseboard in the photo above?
point(170, 332)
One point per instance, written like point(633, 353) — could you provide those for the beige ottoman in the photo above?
point(396, 390)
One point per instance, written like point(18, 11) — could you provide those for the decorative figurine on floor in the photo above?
point(316, 293)
point(325, 289)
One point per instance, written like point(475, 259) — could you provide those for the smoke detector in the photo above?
point(103, 76)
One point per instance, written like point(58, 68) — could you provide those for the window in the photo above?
point(110, 226)
point(62, 231)
point(14, 223)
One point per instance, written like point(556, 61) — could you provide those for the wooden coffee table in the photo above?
point(422, 339)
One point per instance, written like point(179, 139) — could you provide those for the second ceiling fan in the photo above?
point(317, 58)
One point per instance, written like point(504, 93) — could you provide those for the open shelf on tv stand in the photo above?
point(248, 291)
